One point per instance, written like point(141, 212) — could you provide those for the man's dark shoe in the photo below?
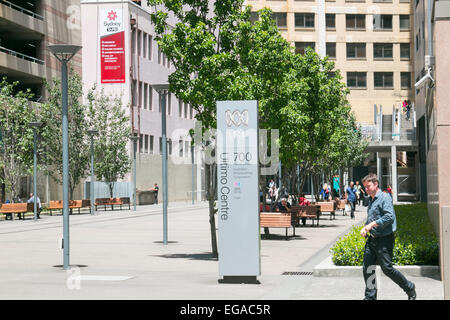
point(412, 293)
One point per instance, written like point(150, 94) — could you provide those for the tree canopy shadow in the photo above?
point(205, 256)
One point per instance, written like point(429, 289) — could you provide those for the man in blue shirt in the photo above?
point(351, 198)
point(379, 232)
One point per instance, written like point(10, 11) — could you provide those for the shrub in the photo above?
point(415, 242)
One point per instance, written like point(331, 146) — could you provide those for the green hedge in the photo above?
point(415, 242)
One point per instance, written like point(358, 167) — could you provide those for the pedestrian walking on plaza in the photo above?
point(351, 198)
point(39, 205)
point(156, 189)
point(379, 232)
point(358, 192)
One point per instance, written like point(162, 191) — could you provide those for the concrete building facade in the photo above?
point(371, 43)
point(432, 95)
point(141, 65)
point(27, 28)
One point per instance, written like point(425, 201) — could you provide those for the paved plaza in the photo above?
point(120, 255)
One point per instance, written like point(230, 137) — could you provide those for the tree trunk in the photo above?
point(211, 196)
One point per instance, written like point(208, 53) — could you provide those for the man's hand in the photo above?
point(366, 229)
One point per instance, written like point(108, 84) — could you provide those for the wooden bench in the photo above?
point(276, 220)
point(18, 208)
point(340, 204)
point(327, 206)
point(112, 202)
point(73, 204)
point(307, 212)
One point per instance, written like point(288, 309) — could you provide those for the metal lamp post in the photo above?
point(65, 52)
point(35, 125)
point(163, 90)
point(134, 138)
point(92, 133)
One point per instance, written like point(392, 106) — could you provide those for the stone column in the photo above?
point(394, 173)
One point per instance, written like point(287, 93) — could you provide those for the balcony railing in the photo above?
point(23, 10)
point(20, 55)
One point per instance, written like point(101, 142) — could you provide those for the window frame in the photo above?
point(383, 74)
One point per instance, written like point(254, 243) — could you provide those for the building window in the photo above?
point(356, 79)
point(331, 74)
point(300, 47)
point(160, 145)
point(355, 22)
point(304, 20)
point(405, 51)
point(150, 98)
point(141, 142)
point(169, 104)
point(134, 90)
point(187, 148)
point(330, 21)
point(151, 144)
point(280, 19)
point(404, 22)
point(382, 22)
point(180, 146)
point(405, 80)
point(191, 112)
point(133, 41)
point(382, 50)
point(150, 47)
point(169, 147)
point(139, 43)
point(331, 50)
point(383, 80)
point(185, 110)
point(254, 17)
point(145, 96)
point(356, 50)
point(144, 45)
point(180, 108)
point(146, 143)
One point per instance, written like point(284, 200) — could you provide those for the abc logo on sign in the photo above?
point(236, 118)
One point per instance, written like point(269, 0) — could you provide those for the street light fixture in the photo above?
point(65, 52)
point(163, 90)
point(92, 133)
point(134, 138)
point(35, 125)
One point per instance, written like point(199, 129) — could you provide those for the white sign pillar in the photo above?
point(238, 191)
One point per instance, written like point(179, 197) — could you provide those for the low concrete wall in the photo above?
point(327, 269)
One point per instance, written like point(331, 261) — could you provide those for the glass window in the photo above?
point(180, 146)
point(355, 21)
point(356, 79)
point(146, 143)
point(141, 142)
point(331, 49)
point(404, 22)
point(382, 50)
point(405, 50)
point(300, 47)
point(356, 50)
point(330, 20)
point(150, 47)
point(384, 79)
point(280, 19)
point(304, 20)
point(151, 144)
point(382, 22)
point(405, 80)
point(254, 16)
point(145, 95)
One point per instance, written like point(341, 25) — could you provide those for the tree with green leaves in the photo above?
point(219, 54)
point(16, 136)
point(107, 115)
point(52, 132)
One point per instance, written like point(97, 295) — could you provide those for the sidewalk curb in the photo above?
point(327, 269)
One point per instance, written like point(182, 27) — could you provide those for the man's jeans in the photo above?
point(352, 208)
point(380, 250)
